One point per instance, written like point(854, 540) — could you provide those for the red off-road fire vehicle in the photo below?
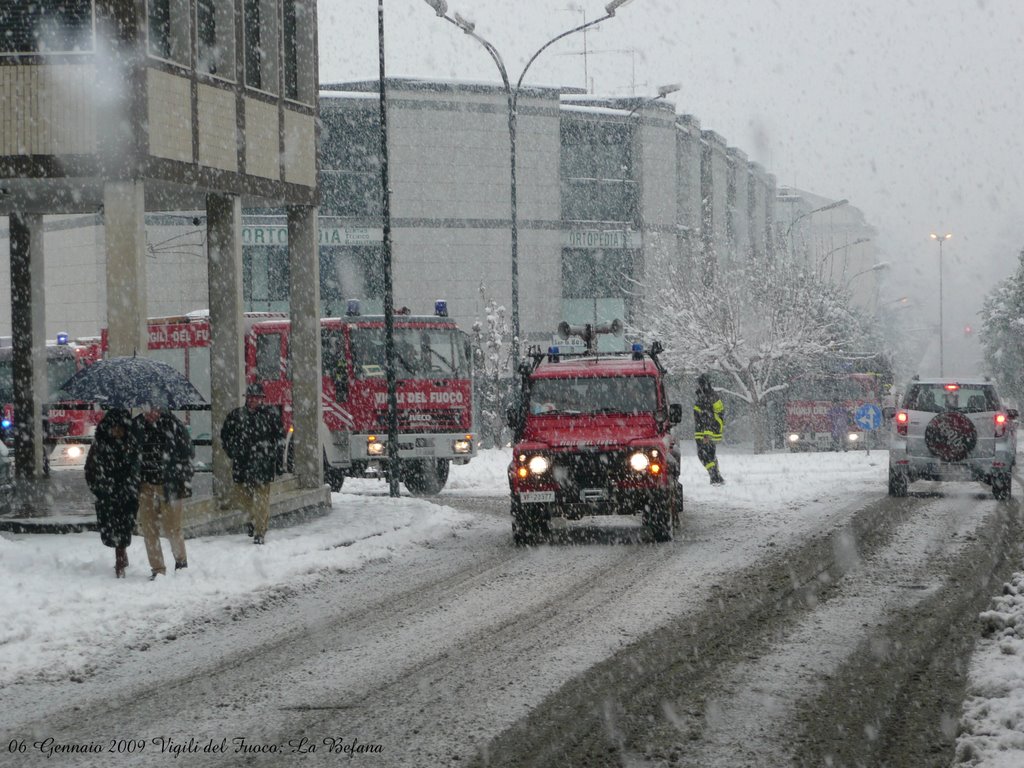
point(592, 436)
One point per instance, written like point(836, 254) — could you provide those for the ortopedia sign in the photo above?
point(602, 238)
point(266, 235)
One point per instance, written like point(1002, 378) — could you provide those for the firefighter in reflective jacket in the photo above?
point(708, 421)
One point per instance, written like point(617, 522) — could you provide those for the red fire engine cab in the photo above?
point(66, 429)
point(434, 392)
point(592, 436)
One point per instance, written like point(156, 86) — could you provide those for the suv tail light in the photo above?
point(902, 419)
point(1000, 420)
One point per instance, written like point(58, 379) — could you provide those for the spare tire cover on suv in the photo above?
point(950, 436)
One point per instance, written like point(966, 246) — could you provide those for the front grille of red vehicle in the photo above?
point(597, 469)
point(439, 420)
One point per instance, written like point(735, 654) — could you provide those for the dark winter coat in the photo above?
point(166, 454)
point(708, 412)
point(112, 474)
point(251, 439)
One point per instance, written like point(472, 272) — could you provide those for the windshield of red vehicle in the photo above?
point(420, 353)
point(625, 394)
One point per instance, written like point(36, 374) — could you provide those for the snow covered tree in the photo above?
point(492, 345)
point(1002, 332)
point(758, 323)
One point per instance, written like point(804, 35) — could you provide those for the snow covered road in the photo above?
point(425, 643)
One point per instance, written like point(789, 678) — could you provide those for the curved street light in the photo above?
point(940, 239)
point(821, 261)
point(786, 239)
point(873, 268)
point(663, 91)
point(441, 9)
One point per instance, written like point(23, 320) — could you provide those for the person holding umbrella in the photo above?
point(251, 435)
point(112, 474)
point(166, 474)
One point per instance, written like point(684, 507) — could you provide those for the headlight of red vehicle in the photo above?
point(646, 461)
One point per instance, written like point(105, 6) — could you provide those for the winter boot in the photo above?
point(179, 564)
point(120, 561)
point(716, 477)
point(250, 529)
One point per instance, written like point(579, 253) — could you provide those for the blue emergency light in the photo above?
point(352, 308)
point(638, 350)
point(62, 338)
point(553, 355)
point(441, 308)
point(5, 423)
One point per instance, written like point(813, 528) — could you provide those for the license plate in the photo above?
point(535, 497)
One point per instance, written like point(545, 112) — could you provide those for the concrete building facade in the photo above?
point(115, 110)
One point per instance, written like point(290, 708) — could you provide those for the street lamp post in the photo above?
point(804, 215)
point(940, 239)
point(844, 246)
point(441, 9)
point(394, 469)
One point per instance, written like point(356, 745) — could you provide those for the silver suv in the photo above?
point(952, 429)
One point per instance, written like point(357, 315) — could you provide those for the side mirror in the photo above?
point(888, 412)
point(1012, 413)
point(675, 413)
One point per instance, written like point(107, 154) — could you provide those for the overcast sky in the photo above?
point(911, 109)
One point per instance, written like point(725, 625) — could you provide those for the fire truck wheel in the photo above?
point(657, 516)
point(425, 477)
point(1002, 484)
point(335, 478)
point(898, 483)
point(528, 525)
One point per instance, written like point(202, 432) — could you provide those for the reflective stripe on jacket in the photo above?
point(708, 417)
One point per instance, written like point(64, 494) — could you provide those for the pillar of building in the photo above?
point(227, 326)
point(304, 343)
point(124, 219)
point(28, 339)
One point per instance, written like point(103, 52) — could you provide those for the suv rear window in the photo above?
point(935, 398)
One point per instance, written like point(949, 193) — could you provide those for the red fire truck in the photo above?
point(66, 429)
point(434, 388)
point(809, 400)
point(434, 391)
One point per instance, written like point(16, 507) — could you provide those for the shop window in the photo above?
point(215, 38)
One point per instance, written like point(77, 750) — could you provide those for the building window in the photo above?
point(299, 50)
point(350, 183)
point(596, 272)
point(215, 38)
point(265, 281)
point(261, 45)
point(66, 26)
point(169, 30)
point(351, 273)
point(597, 172)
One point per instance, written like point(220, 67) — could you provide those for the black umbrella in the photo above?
point(129, 382)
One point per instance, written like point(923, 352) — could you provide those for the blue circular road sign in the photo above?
point(868, 417)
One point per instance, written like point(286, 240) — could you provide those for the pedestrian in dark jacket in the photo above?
point(165, 479)
point(112, 474)
point(708, 424)
point(251, 436)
